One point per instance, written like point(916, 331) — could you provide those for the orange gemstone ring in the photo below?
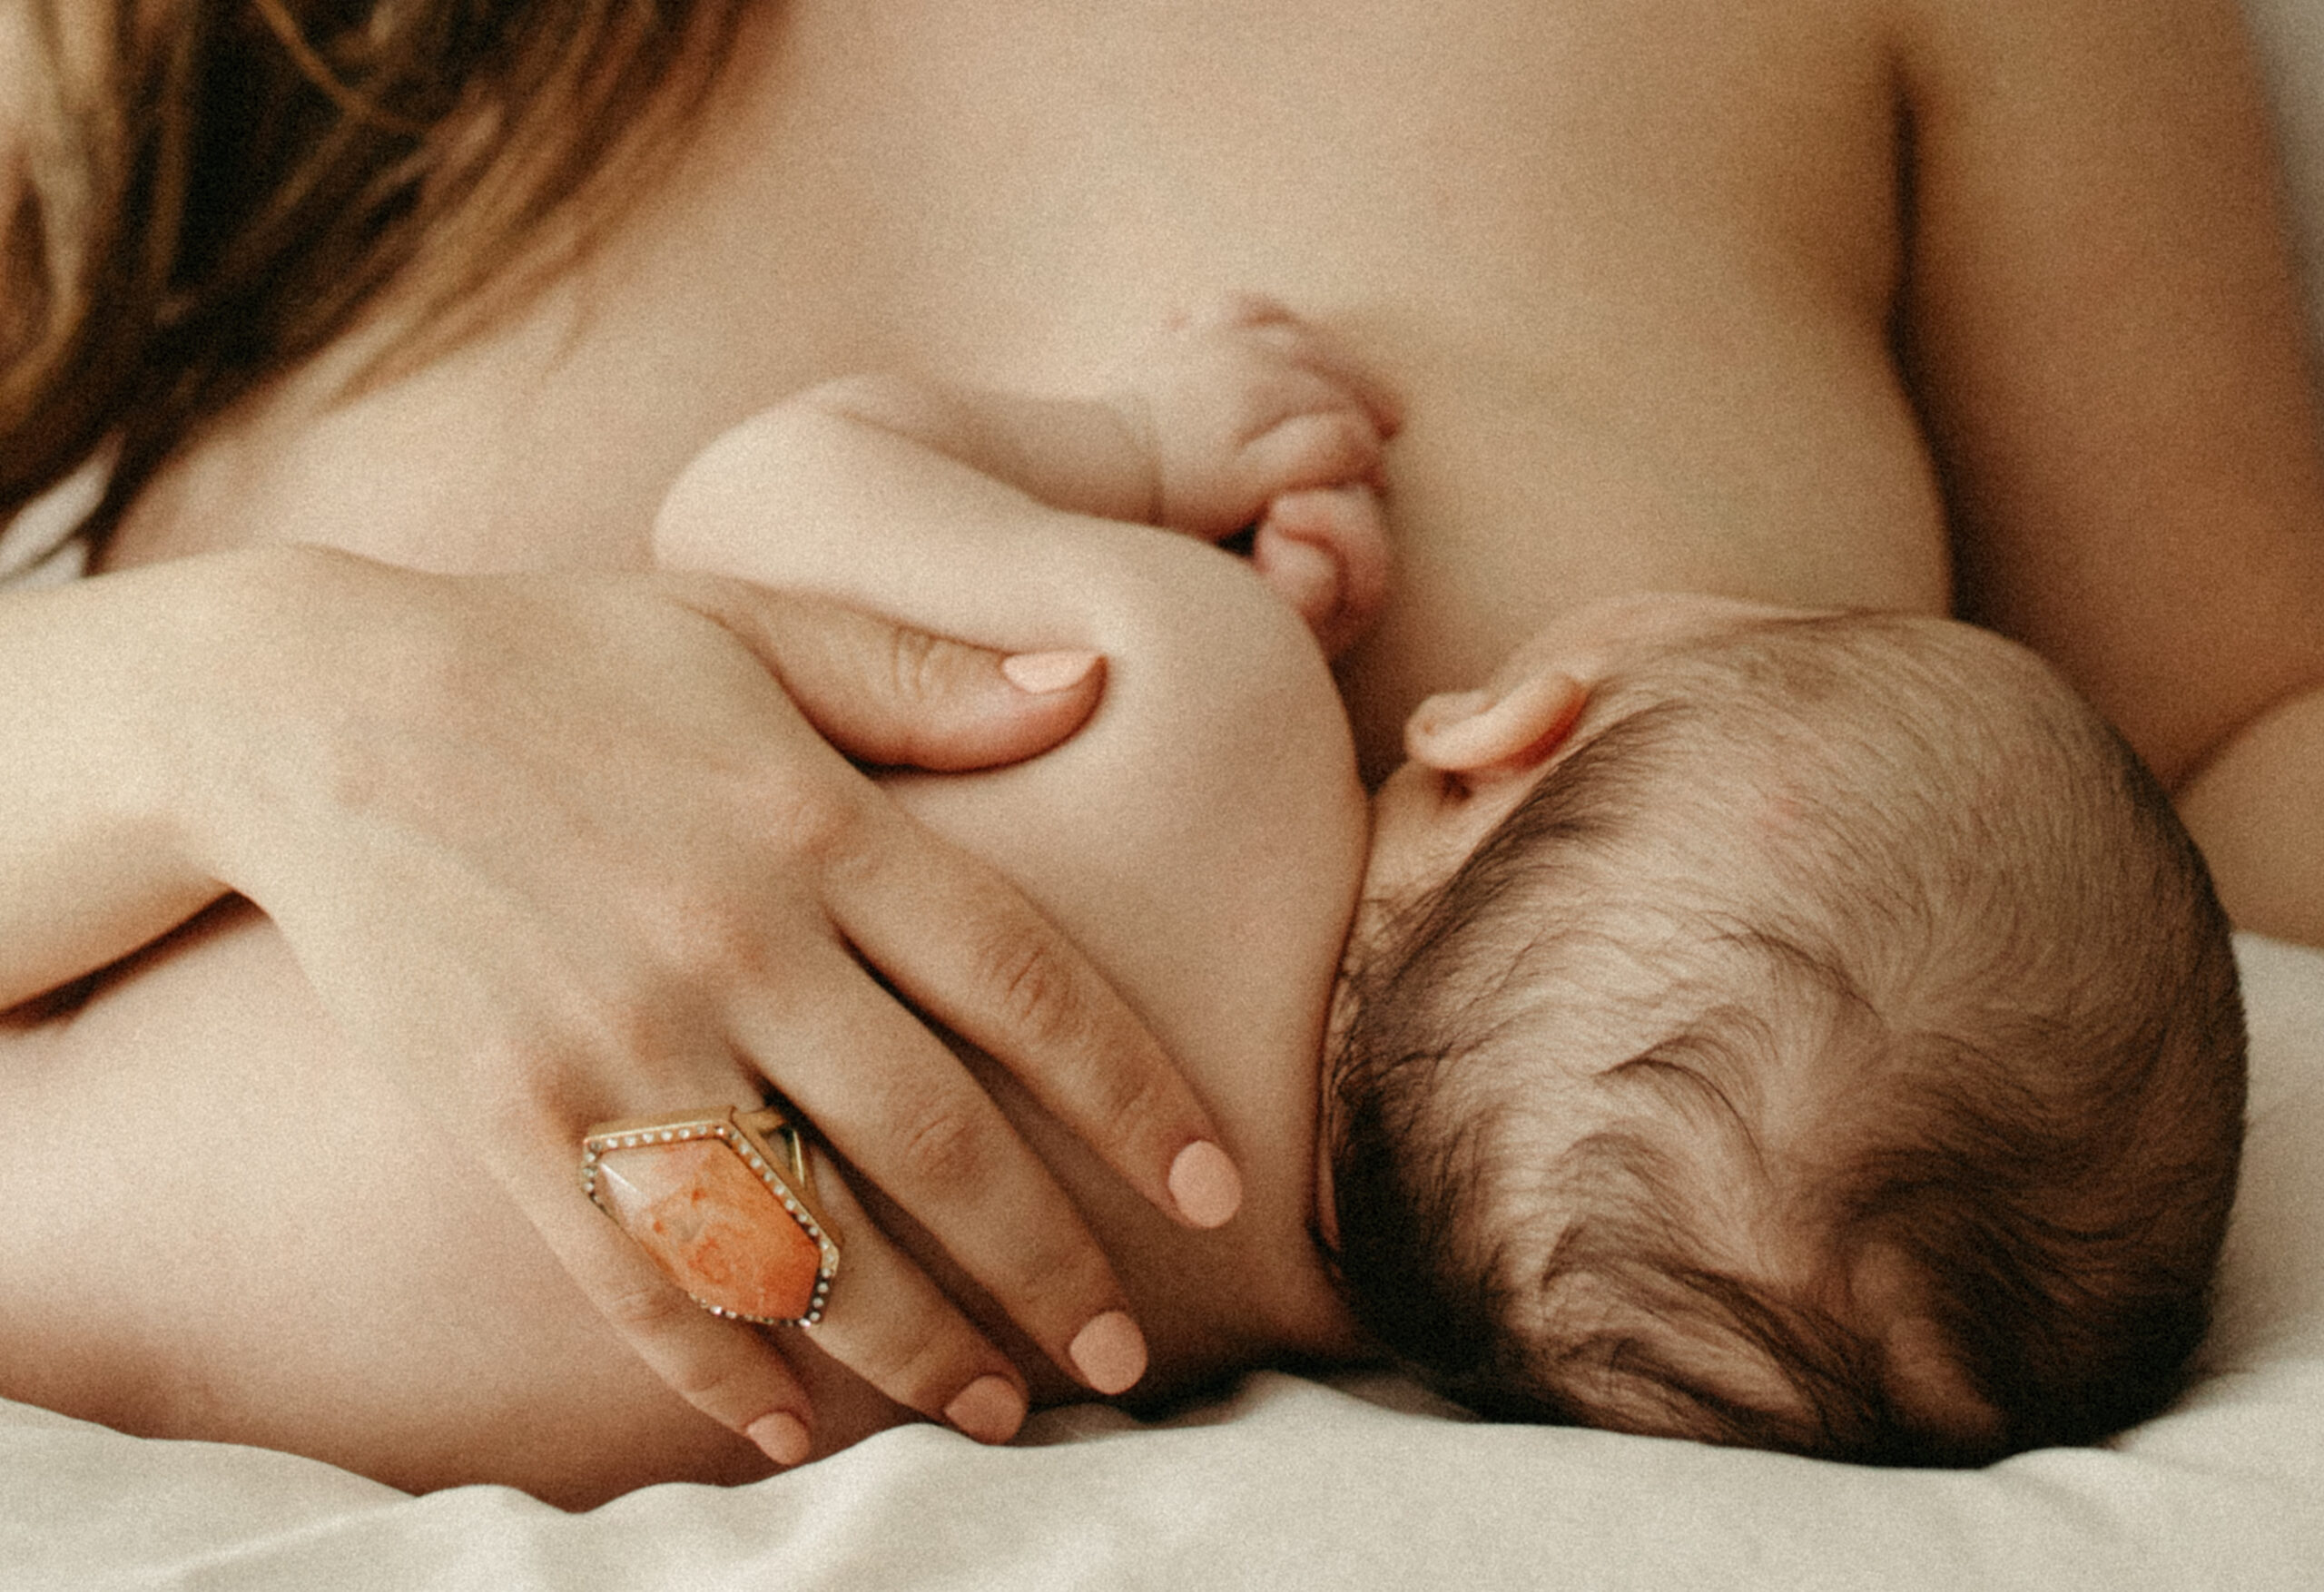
point(724, 1201)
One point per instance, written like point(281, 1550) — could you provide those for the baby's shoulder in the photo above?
point(1220, 759)
point(1209, 664)
point(1201, 839)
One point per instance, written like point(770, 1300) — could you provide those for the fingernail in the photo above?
point(1204, 1182)
point(989, 1409)
point(782, 1437)
point(1039, 673)
point(1109, 1352)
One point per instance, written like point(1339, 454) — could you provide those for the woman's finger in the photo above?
point(888, 694)
point(890, 1324)
point(891, 1098)
point(727, 1369)
point(1003, 978)
point(954, 935)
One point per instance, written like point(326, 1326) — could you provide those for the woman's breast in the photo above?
point(1629, 268)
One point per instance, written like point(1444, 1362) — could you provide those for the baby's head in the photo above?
point(1811, 1031)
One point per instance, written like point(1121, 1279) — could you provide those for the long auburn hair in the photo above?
point(206, 192)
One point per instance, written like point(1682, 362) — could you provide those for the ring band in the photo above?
point(722, 1199)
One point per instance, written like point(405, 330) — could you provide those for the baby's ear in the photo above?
point(1513, 726)
point(1921, 1367)
point(1928, 1385)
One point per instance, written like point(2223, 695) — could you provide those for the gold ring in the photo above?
point(722, 1199)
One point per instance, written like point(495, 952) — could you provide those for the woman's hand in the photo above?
point(564, 850)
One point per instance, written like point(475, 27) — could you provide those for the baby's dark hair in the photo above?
point(1839, 1051)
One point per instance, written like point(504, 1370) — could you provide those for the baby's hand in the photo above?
point(1252, 420)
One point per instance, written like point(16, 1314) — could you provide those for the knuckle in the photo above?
point(918, 665)
point(917, 1363)
point(819, 829)
point(708, 936)
point(519, 1095)
point(1125, 1099)
point(646, 1308)
point(528, 1094)
point(944, 1151)
point(606, 1017)
point(1054, 1280)
point(731, 1386)
point(1350, 444)
point(1035, 991)
point(729, 1390)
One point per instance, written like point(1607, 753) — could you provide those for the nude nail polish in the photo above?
point(1109, 1352)
point(1204, 1184)
point(782, 1437)
point(989, 1409)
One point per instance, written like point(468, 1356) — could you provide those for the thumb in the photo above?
point(887, 693)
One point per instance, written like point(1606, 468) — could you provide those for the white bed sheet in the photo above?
point(1290, 1484)
point(1363, 1482)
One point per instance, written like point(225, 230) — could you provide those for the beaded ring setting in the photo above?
point(723, 1200)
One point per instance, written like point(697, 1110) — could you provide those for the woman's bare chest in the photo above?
point(1628, 265)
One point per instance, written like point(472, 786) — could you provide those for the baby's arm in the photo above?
point(1243, 418)
point(2108, 343)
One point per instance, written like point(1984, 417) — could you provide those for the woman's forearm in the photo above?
point(104, 682)
point(552, 850)
point(2257, 809)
